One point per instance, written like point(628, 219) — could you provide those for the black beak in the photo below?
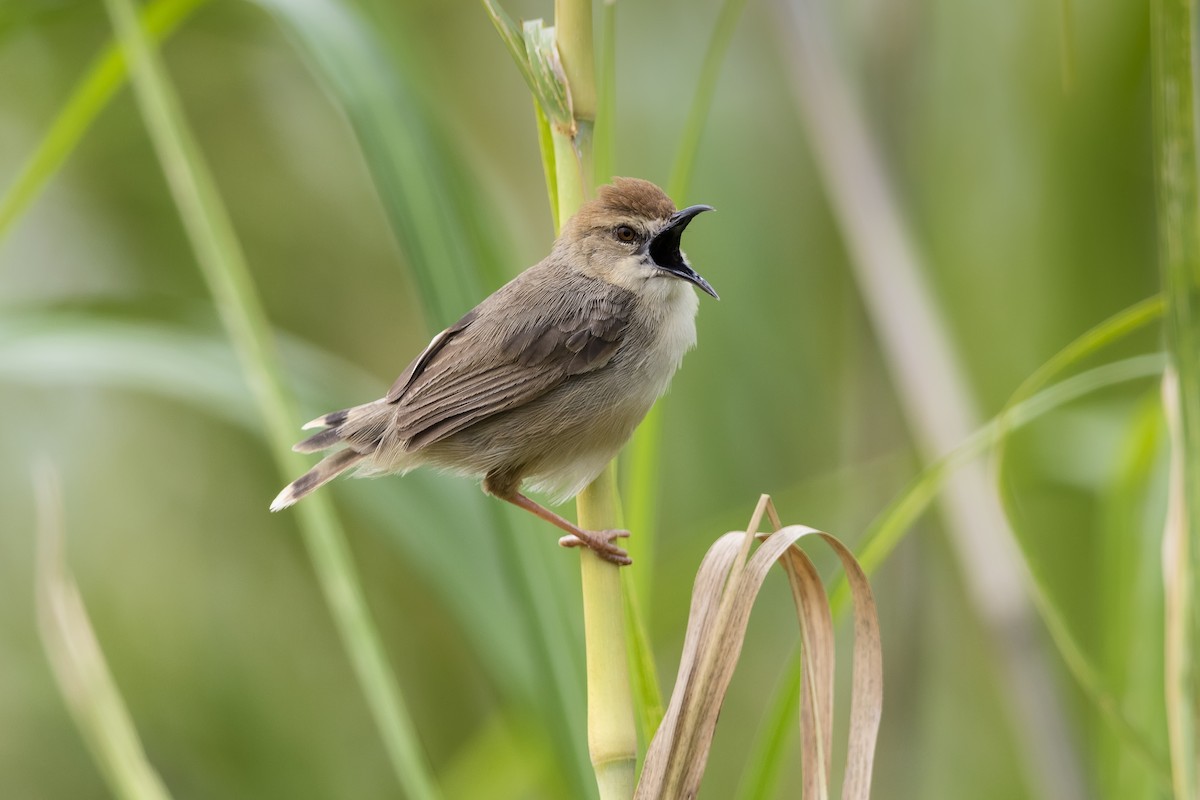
point(664, 248)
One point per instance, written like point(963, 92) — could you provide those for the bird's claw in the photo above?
point(601, 543)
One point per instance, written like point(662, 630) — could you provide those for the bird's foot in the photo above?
point(602, 544)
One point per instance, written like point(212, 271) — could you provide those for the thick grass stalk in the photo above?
point(612, 737)
point(220, 257)
point(1172, 44)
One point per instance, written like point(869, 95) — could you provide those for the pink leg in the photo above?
point(599, 541)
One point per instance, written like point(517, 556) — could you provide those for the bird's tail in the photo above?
point(326, 470)
point(357, 427)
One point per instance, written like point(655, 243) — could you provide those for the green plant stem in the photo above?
point(612, 737)
point(1172, 45)
point(573, 32)
point(221, 260)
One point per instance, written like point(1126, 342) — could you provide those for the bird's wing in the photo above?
point(474, 370)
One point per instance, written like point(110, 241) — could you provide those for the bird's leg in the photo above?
point(601, 542)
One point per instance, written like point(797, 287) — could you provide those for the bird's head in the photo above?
point(629, 235)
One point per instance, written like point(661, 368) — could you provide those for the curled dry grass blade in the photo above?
point(726, 586)
point(223, 265)
point(78, 663)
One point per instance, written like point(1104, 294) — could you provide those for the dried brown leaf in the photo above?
point(726, 586)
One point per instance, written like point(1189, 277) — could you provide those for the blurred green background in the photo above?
point(1017, 138)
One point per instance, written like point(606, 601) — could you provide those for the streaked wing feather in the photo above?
point(445, 389)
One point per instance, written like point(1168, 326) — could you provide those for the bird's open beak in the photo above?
point(664, 248)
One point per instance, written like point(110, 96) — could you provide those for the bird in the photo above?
point(541, 384)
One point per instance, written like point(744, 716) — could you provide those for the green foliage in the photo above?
point(381, 169)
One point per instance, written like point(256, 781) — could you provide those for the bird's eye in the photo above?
point(625, 233)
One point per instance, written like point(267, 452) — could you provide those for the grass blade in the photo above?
point(90, 96)
point(684, 165)
point(930, 382)
point(760, 780)
point(1178, 598)
point(1130, 656)
point(1173, 87)
point(199, 368)
point(562, 62)
point(1082, 668)
point(405, 150)
point(220, 257)
point(78, 663)
point(645, 451)
point(894, 522)
point(604, 142)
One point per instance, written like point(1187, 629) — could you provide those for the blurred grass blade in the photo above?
point(896, 520)
point(900, 515)
point(78, 663)
point(645, 451)
point(885, 533)
point(72, 349)
point(604, 142)
point(198, 368)
point(930, 382)
point(726, 586)
point(104, 76)
point(1083, 668)
point(1130, 652)
point(534, 51)
point(550, 101)
point(513, 38)
point(1113, 329)
point(1173, 88)
point(684, 165)
point(549, 167)
point(760, 780)
point(505, 759)
point(643, 672)
point(220, 258)
point(436, 211)
point(406, 152)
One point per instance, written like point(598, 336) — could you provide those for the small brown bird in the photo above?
point(545, 380)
